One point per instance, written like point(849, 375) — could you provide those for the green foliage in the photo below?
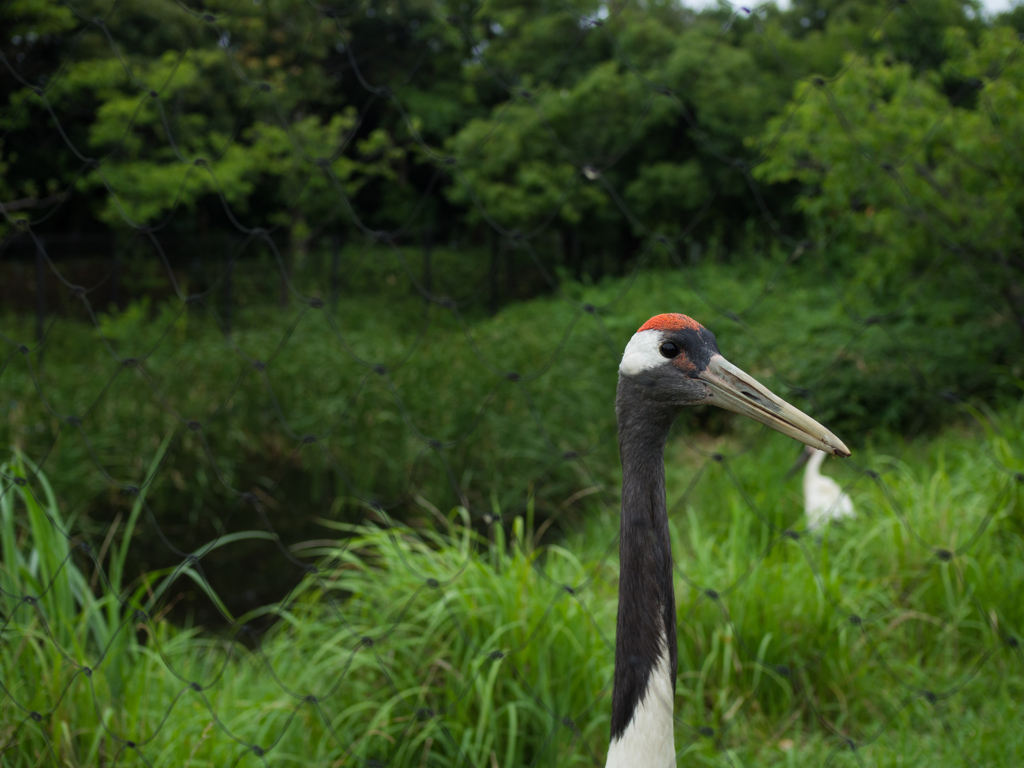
point(68, 623)
point(499, 438)
point(534, 102)
point(179, 116)
point(916, 199)
point(429, 691)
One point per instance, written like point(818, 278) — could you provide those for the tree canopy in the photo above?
point(885, 130)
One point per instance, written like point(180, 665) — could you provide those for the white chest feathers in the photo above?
point(648, 741)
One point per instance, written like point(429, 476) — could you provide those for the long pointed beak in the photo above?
point(735, 390)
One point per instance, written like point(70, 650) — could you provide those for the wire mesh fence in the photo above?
point(316, 488)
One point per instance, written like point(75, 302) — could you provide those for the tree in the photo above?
point(916, 196)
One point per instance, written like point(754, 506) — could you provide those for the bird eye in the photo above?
point(669, 349)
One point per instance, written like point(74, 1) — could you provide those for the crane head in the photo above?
point(675, 359)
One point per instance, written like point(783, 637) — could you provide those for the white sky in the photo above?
point(991, 6)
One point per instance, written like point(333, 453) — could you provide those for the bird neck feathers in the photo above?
point(645, 641)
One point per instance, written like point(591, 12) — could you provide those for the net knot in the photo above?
point(130, 362)
point(316, 303)
point(209, 17)
point(36, 717)
point(929, 696)
point(711, 594)
point(424, 714)
point(433, 583)
point(307, 439)
point(856, 620)
point(944, 555)
point(435, 444)
point(257, 750)
point(194, 425)
point(367, 642)
point(512, 376)
point(87, 671)
point(23, 349)
point(379, 369)
point(259, 365)
point(706, 731)
point(496, 655)
point(570, 455)
point(195, 686)
point(21, 482)
point(569, 589)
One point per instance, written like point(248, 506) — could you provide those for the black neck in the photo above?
point(647, 606)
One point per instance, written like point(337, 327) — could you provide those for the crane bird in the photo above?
point(670, 363)
point(824, 500)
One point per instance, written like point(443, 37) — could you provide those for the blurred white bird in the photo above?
point(824, 500)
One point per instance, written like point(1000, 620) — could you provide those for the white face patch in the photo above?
point(642, 353)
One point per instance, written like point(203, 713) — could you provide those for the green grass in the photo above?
point(428, 691)
point(500, 436)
